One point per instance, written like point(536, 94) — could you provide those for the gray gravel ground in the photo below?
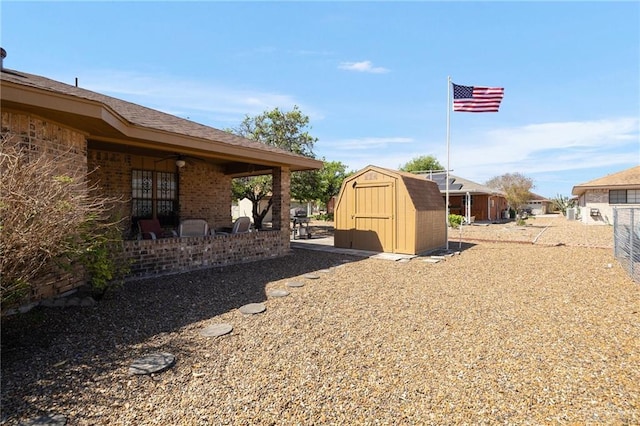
point(545, 333)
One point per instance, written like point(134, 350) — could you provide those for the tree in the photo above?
point(331, 176)
point(305, 186)
point(516, 187)
point(285, 130)
point(422, 164)
point(254, 189)
point(562, 203)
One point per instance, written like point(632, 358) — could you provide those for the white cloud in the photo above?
point(366, 143)
point(535, 149)
point(356, 153)
point(364, 66)
point(546, 147)
point(185, 98)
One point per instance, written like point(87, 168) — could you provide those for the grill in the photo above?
point(300, 223)
point(297, 213)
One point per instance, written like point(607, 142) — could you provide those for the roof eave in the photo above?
point(38, 99)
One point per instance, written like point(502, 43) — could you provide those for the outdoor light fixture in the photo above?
point(180, 163)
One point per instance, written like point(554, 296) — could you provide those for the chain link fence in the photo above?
point(626, 239)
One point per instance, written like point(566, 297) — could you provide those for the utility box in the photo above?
point(571, 213)
point(390, 211)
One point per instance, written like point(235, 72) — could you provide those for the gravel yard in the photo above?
point(503, 333)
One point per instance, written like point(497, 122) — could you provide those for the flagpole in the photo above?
point(447, 174)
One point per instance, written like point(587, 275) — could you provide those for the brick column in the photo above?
point(281, 201)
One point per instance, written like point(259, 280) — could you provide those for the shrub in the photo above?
point(328, 217)
point(101, 255)
point(47, 216)
point(455, 220)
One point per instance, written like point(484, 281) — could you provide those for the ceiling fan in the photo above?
point(181, 159)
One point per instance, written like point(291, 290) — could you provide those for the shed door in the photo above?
point(374, 216)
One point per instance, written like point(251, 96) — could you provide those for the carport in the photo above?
point(389, 211)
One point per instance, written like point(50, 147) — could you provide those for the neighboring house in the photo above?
point(244, 207)
point(538, 205)
point(472, 200)
point(162, 166)
point(597, 198)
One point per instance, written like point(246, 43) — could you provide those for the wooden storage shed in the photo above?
point(389, 211)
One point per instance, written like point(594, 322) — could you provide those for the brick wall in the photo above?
point(281, 201)
point(596, 199)
point(204, 190)
point(43, 137)
point(174, 255)
point(205, 193)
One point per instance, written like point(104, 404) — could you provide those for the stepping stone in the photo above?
point(431, 260)
point(152, 363)
point(73, 301)
point(295, 284)
point(87, 301)
point(278, 293)
point(216, 330)
point(325, 271)
point(312, 276)
point(55, 420)
point(253, 308)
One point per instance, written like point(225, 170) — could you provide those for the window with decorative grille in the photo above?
point(154, 195)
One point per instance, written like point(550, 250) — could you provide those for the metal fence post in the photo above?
point(631, 247)
point(616, 226)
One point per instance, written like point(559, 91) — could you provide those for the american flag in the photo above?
point(477, 98)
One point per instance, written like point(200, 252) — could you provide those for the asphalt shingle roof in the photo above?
point(458, 185)
point(138, 115)
point(628, 178)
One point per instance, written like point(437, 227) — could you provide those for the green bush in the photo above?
point(103, 261)
point(328, 217)
point(455, 220)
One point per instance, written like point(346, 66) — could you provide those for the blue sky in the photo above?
point(372, 76)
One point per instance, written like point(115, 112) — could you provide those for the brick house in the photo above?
point(538, 204)
point(597, 198)
point(163, 166)
point(472, 200)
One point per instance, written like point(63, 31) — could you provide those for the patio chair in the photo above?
point(193, 228)
point(150, 229)
point(242, 225)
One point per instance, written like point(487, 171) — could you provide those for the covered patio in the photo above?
point(158, 165)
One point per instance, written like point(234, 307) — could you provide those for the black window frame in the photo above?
point(624, 196)
point(154, 195)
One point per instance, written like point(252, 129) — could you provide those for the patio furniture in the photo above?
point(150, 229)
point(242, 225)
point(193, 228)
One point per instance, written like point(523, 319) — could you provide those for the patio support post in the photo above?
point(281, 200)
